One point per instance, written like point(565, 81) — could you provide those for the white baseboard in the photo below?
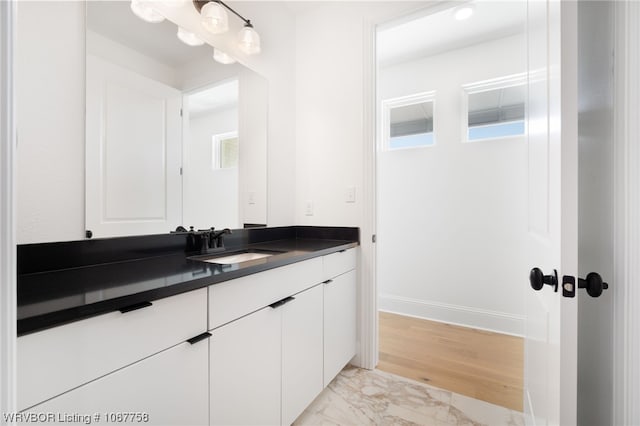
point(499, 322)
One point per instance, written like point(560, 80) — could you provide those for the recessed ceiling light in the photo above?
point(463, 12)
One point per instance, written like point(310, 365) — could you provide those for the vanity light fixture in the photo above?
point(214, 18)
point(174, 4)
point(189, 38)
point(222, 57)
point(249, 39)
point(143, 10)
point(463, 12)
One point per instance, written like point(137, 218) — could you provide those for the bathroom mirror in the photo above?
point(172, 137)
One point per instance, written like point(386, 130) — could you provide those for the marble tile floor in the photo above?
point(373, 397)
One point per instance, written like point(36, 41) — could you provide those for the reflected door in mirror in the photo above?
point(133, 182)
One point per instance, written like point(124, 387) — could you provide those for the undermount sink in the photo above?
point(237, 257)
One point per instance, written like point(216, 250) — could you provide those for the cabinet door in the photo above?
point(71, 355)
point(301, 352)
point(339, 323)
point(245, 370)
point(171, 387)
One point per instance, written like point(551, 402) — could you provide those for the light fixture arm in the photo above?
point(199, 4)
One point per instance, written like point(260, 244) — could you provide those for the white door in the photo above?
point(551, 320)
point(133, 153)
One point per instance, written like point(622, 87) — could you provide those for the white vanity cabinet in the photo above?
point(64, 358)
point(279, 337)
point(170, 387)
point(245, 370)
point(266, 364)
point(266, 367)
point(301, 352)
point(339, 312)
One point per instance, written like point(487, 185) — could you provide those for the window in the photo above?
point(495, 108)
point(224, 149)
point(408, 122)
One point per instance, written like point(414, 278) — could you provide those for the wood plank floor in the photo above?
point(476, 363)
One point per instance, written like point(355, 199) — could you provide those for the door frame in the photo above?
point(626, 293)
point(367, 354)
point(8, 141)
point(626, 321)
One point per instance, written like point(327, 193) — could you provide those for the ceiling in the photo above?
point(426, 34)
point(116, 21)
point(218, 97)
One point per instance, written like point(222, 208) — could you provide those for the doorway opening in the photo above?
point(451, 190)
point(211, 156)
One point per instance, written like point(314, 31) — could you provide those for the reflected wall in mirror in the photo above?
point(159, 115)
point(211, 156)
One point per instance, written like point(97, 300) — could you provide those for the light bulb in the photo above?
point(222, 57)
point(143, 10)
point(249, 40)
point(214, 18)
point(189, 38)
point(463, 12)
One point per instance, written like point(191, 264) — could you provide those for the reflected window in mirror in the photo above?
point(495, 109)
point(225, 150)
point(409, 122)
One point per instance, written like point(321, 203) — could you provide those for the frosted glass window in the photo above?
point(496, 113)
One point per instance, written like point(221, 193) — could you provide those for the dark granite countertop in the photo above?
point(52, 297)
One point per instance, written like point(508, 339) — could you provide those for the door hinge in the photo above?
point(180, 171)
point(373, 238)
point(180, 112)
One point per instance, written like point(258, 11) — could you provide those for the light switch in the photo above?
point(351, 194)
point(308, 208)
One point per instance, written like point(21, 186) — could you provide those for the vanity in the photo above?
point(135, 329)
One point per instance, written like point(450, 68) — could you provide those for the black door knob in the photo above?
point(593, 283)
point(537, 279)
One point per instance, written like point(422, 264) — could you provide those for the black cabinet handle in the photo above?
point(327, 282)
point(135, 307)
point(199, 337)
point(281, 302)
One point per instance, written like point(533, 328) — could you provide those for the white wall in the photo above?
point(595, 220)
point(329, 158)
point(452, 218)
point(210, 195)
point(132, 60)
point(50, 95)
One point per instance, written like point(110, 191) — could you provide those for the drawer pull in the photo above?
point(327, 282)
point(199, 337)
point(342, 251)
point(281, 302)
point(135, 307)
